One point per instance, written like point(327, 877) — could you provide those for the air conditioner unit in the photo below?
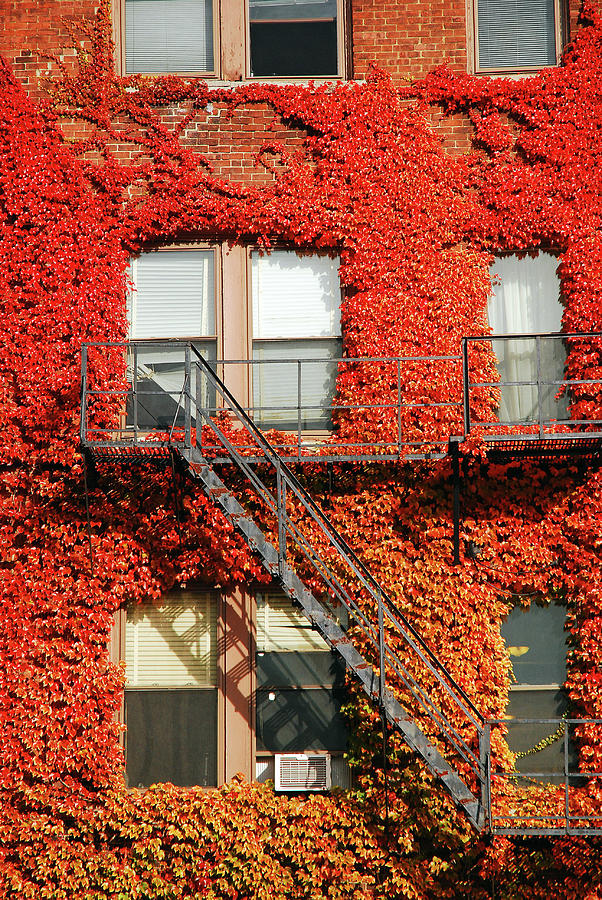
point(302, 772)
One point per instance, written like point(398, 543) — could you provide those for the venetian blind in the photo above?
point(516, 33)
point(174, 645)
point(281, 627)
point(174, 295)
point(169, 35)
point(295, 295)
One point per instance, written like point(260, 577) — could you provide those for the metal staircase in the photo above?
point(301, 549)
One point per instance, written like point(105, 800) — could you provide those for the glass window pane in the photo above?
point(174, 644)
point(282, 627)
point(174, 295)
point(526, 300)
point(523, 738)
point(516, 33)
point(294, 668)
point(536, 642)
point(295, 295)
point(160, 372)
point(169, 35)
point(171, 736)
point(293, 37)
point(278, 379)
point(290, 720)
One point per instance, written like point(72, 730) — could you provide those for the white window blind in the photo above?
point(280, 627)
point(295, 295)
point(173, 295)
point(169, 35)
point(174, 645)
point(516, 33)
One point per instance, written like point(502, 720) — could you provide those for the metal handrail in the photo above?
point(395, 619)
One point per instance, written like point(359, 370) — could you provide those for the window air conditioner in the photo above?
point(302, 772)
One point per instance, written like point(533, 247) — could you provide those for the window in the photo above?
point(517, 34)
point(526, 301)
point(300, 689)
point(296, 328)
point(235, 40)
point(171, 692)
point(289, 301)
point(169, 36)
point(536, 643)
point(173, 297)
point(293, 37)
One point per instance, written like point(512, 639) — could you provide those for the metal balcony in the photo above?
point(369, 409)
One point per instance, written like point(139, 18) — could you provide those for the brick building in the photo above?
point(218, 682)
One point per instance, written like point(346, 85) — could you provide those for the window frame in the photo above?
point(560, 34)
point(232, 46)
point(343, 53)
point(119, 15)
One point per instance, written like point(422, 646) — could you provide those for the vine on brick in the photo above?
point(415, 231)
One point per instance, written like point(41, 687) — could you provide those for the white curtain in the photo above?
point(526, 301)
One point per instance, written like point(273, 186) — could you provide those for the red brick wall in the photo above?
point(408, 39)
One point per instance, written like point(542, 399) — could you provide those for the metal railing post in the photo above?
point(281, 509)
point(299, 408)
point(466, 387)
point(200, 410)
point(84, 396)
point(539, 398)
point(381, 651)
point(566, 778)
point(399, 424)
point(187, 397)
point(485, 760)
point(135, 393)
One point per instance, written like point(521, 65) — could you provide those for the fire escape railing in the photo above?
point(207, 424)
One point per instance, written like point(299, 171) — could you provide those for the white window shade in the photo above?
point(173, 645)
point(169, 35)
point(173, 295)
point(295, 295)
point(516, 33)
point(280, 627)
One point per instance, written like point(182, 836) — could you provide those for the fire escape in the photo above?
point(193, 418)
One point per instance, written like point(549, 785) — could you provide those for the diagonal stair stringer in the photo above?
point(217, 492)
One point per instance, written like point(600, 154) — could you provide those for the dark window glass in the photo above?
point(171, 736)
point(536, 642)
point(293, 38)
point(291, 720)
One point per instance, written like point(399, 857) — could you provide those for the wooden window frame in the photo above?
point(231, 45)
point(472, 21)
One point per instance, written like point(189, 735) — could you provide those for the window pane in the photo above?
point(292, 721)
point(536, 642)
point(160, 373)
point(171, 736)
point(276, 384)
point(169, 35)
point(295, 295)
point(174, 295)
point(516, 33)
point(282, 627)
point(174, 644)
point(524, 737)
point(293, 37)
point(526, 300)
point(293, 668)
